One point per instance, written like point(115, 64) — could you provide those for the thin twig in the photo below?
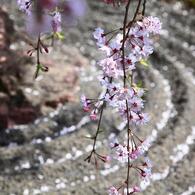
point(98, 127)
point(124, 39)
point(125, 35)
point(144, 7)
point(38, 57)
point(124, 83)
point(133, 20)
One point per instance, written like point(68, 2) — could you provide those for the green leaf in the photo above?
point(144, 62)
point(39, 67)
point(59, 35)
point(139, 84)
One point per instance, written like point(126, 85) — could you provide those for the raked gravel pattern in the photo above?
point(50, 160)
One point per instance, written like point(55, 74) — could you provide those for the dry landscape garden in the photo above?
point(44, 132)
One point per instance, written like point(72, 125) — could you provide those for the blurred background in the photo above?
point(43, 128)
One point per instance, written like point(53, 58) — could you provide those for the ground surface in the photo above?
point(46, 156)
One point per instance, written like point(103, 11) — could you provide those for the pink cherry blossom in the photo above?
point(109, 67)
point(24, 5)
point(57, 22)
point(146, 173)
point(134, 154)
point(116, 43)
point(113, 191)
point(143, 147)
point(140, 92)
point(136, 189)
point(146, 50)
point(152, 24)
point(131, 59)
point(99, 36)
point(136, 104)
point(93, 116)
point(85, 103)
point(108, 159)
point(121, 53)
point(121, 153)
point(142, 119)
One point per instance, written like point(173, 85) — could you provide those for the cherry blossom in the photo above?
point(142, 119)
point(136, 189)
point(136, 104)
point(47, 16)
point(93, 115)
point(99, 36)
point(121, 153)
point(109, 67)
point(134, 154)
point(121, 54)
point(143, 147)
point(24, 5)
point(116, 43)
point(113, 191)
point(146, 172)
point(127, 101)
point(57, 22)
point(151, 24)
point(147, 162)
point(85, 103)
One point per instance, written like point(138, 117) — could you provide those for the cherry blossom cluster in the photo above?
point(145, 172)
point(123, 52)
point(46, 16)
point(139, 46)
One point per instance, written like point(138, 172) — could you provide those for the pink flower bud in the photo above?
point(136, 189)
point(93, 116)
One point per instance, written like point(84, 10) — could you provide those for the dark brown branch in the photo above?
point(144, 7)
point(124, 39)
point(124, 83)
point(98, 128)
point(134, 17)
point(125, 36)
point(38, 65)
